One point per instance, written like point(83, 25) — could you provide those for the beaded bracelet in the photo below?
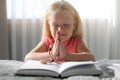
point(51, 56)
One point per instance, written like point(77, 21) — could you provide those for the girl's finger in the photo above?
point(63, 52)
point(58, 34)
point(55, 49)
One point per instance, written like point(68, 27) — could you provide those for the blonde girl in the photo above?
point(62, 36)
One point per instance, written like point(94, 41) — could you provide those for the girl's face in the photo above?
point(65, 22)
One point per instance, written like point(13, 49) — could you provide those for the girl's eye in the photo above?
point(64, 26)
point(55, 26)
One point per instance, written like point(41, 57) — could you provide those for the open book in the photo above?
point(64, 69)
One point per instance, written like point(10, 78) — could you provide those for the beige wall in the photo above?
point(4, 51)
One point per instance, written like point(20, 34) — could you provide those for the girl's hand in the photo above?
point(62, 51)
point(55, 49)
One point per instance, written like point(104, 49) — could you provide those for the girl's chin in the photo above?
point(64, 39)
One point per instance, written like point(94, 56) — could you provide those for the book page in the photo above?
point(66, 65)
point(33, 64)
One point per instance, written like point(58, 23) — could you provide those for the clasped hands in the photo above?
point(58, 49)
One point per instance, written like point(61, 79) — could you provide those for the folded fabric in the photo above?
point(116, 68)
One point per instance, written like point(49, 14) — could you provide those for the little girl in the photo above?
point(61, 37)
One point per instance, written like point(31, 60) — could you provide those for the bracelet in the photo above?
point(51, 56)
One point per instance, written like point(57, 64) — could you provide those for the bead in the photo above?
point(43, 62)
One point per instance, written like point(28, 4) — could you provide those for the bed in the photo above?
point(9, 67)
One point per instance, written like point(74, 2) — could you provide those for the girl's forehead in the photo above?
point(62, 16)
point(64, 13)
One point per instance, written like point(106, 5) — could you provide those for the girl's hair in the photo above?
point(59, 6)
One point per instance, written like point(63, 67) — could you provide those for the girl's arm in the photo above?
point(83, 54)
point(38, 53)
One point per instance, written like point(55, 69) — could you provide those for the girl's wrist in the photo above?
point(51, 58)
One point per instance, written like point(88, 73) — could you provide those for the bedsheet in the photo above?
point(9, 67)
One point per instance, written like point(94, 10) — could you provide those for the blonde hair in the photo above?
point(57, 7)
